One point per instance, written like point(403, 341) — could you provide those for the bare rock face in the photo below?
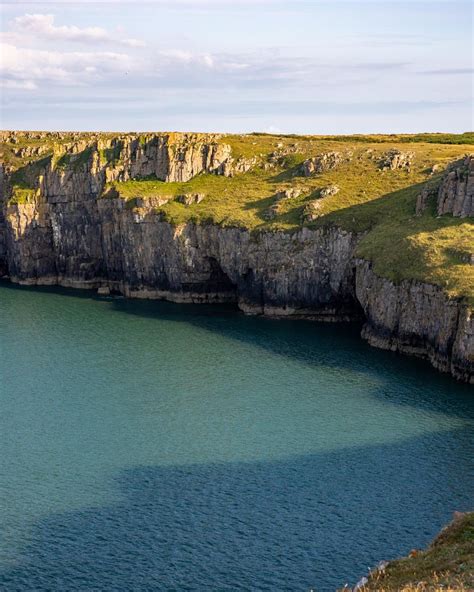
point(312, 210)
point(396, 159)
point(456, 192)
point(72, 234)
point(322, 163)
point(418, 319)
point(230, 167)
point(288, 193)
point(189, 199)
point(168, 157)
point(329, 190)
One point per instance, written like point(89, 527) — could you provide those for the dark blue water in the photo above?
point(150, 446)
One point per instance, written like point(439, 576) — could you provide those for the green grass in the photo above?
point(22, 196)
point(24, 181)
point(447, 564)
point(110, 155)
point(432, 138)
point(380, 204)
point(75, 161)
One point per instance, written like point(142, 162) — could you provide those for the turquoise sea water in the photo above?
point(151, 446)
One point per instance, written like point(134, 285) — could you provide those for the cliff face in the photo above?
point(455, 193)
point(71, 235)
point(417, 319)
point(96, 243)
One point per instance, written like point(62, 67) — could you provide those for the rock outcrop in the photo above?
point(230, 167)
point(189, 199)
point(279, 197)
point(418, 319)
point(396, 159)
point(329, 190)
point(456, 193)
point(72, 233)
point(312, 210)
point(321, 164)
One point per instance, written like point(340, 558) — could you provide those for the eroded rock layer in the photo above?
point(71, 235)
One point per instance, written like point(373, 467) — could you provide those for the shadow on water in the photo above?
point(309, 521)
point(315, 521)
point(329, 345)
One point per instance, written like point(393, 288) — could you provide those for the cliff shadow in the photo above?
point(306, 522)
point(26, 176)
point(333, 346)
point(393, 212)
point(289, 174)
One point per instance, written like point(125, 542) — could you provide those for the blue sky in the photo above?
point(298, 66)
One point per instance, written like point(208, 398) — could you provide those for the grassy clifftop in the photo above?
point(358, 188)
point(447, 565)
point(380, 203)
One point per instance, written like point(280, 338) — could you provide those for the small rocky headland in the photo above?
point(447, 565)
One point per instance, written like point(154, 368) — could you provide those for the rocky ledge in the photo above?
point(70, 232)
point(447, 564)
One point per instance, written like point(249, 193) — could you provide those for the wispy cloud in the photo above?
point(447, 71)
point(28, 68)
point(41, 64)
point(42, 26)
point(206, 60)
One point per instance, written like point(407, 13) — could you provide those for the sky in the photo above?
point(295, 66)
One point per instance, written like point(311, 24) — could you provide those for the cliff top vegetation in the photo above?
point(446, 565)
point(368, 184)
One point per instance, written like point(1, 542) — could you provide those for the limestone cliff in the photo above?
point(418, 319)
point(454, 193)
point(70, 233)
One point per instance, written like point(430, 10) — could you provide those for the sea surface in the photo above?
point(153, 446)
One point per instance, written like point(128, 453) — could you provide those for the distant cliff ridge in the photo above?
point(374, 228)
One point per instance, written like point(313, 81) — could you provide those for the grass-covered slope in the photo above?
point(244, 199)
point(446, 565)
point(376, 202)
point(379, 202)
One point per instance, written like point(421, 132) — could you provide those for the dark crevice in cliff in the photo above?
point(66, 235)
point(219, 281)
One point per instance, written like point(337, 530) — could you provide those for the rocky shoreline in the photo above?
point(73, 235)
point(310, 274)
point(447, 564)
